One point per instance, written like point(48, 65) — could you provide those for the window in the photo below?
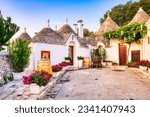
point(148, 40)
point(45, 54)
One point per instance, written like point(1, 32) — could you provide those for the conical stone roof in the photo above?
point(48, 36)
point(106, 26)
point(25, 35)
point(140, 17)
point(65, 31)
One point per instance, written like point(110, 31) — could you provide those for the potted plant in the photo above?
point(96, 58)
point(67, 59)
point(148, 65)
point(36, 80)
point(114, 63)
point(142, 64)
point(131, 64)
point(108, 63)
point(80, 61)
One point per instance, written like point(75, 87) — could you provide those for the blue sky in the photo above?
point(33, 14)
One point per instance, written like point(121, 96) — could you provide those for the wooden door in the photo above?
point(122, 54)
point(135, 55)
point(71, 54)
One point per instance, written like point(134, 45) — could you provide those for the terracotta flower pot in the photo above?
point(144, 68)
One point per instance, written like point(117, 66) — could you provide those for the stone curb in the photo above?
point(27, 96)
point(143, 72)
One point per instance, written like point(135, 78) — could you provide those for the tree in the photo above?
point(131, 33)
point(7, 30)
point(122, 14)
point(86, 32)
point(19, 54)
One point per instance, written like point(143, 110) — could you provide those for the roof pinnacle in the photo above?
point(48, 23)
point(140, 9)
point(108, 15)
point(25, 29)
point(66, 20)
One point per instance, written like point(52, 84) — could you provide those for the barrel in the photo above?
point(86, 63)
point(44, 65)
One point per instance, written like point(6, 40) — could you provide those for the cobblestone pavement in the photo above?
point(103, 83)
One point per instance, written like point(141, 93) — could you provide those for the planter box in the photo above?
point(26, 87)
point(36, 89)
point(144, 68)
point(149, 70)
point(67, 61)
point(109, 64)
point(104, 63)
point(56, 74)
point(80, 63)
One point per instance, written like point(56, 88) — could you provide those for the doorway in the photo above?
point(71, 54)
point(122, 54)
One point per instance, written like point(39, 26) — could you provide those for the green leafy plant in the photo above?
point(80, 58)
point(19, 53)
point(131, 33)
point(8, 78)
point(114, 63)
point(131, 64)
point(41, 78)
point(95, 52)
point(7, 30)
point(68, 58)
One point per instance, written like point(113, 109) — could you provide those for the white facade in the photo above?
point(57, 53)
point(78, 50)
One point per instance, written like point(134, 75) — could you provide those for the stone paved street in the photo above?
point(102, 84)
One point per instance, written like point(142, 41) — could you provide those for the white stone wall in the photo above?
point(78, 50)
point(145, 49)
point(113, 52)
point(145, 46)
point(57, 53)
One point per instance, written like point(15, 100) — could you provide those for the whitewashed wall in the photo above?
point(78, 50)
point(113, 52)
point(146, 49)
point(145, 46)
point(57, 53)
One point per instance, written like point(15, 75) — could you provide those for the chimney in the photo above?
point(75, 28)
point(80, 28)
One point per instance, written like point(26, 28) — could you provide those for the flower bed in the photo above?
point(142, 64)
point(64, 64)
point(36, 80)
point(56, 68)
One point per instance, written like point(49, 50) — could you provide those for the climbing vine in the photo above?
point(131, 33)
